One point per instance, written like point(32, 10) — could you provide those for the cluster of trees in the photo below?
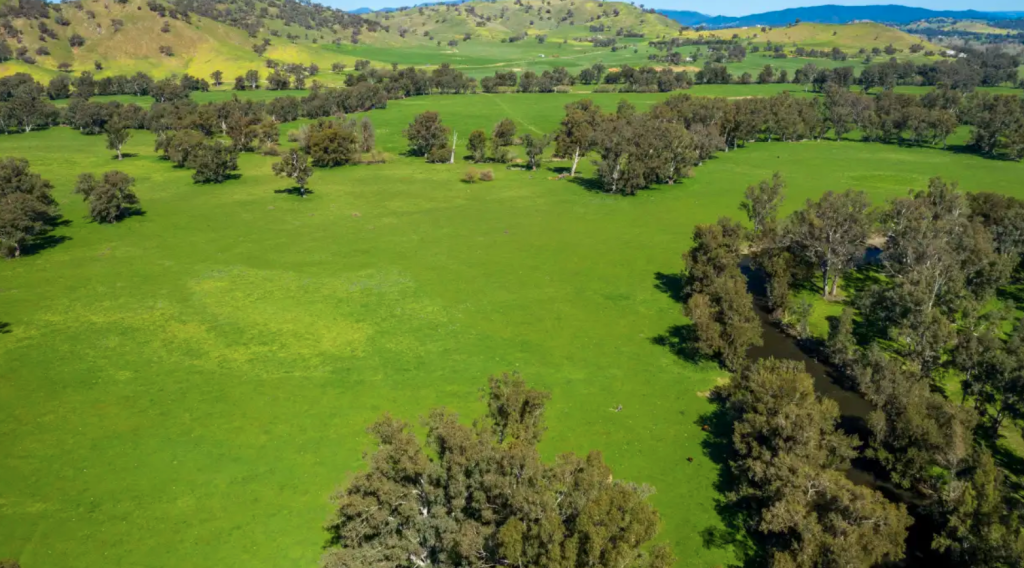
point(429, 138)
point(481, 495)
point(28, 210)
point(408, 82)
point(960, 74)
point(213, 160)
point(282, 77)
point(945, 256)
point(139, 85)
point(24, 106)
point(627, 79)
point(252, 17)
point(787, 464)
point(662, 145)
point(330, 143)
point(980, 69)
point(638, 149)
point(110, 197)
point(927, 314)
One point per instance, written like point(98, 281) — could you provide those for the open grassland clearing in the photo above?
point(198, 379)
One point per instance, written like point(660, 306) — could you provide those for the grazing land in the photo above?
point(198, 379)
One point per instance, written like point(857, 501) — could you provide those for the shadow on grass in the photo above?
point(4, 327)
point(590, 184)
point(294, 190)
point(672, 285)
point(734, 513)
point(125, 155)
point(47, 240)
point(681, 340)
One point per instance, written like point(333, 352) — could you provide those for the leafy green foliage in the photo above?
point(110, 197)
point(294, 165)
point(332, 143)
point(27, 208)
point(787, 460)
point(719, 305)
point(212, 161)
point(481, 494)
point(427, 135)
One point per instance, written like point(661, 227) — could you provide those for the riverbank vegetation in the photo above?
point(929, 307)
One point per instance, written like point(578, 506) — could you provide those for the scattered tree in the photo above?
point(110, 198)
point(27, 208)
point(426, 134)
point(117, 135)
point(295, 166)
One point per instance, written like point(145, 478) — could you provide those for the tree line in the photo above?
point(636, 150)
point(922, 313)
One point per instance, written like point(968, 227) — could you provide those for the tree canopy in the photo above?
point(481, 496)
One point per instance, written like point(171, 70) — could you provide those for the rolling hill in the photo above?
point(826, 36)
point(198, 37)
point(507, 19)
point(829, 14)
point(162, 39)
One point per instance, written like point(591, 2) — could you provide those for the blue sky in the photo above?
point(743, 7)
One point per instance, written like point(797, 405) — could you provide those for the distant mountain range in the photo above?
point(831, 14)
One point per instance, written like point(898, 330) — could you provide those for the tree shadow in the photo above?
point(4, 327)
point(48, 240)
point(672, 285)
point(593, 185)
point(1013, 292)
point(862, 278)
point(227, 177)
point(130, 212)
point(560, 170)
point(125, 155)
point(681, 340)
point(294, 190)
point(1006, 459)
point(733, 512)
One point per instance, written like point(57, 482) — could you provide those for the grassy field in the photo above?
point(554, 100)
point(188, 387)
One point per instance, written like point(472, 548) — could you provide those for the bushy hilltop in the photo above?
point(509, 20)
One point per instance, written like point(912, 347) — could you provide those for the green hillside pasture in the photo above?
point(187, 388)
point(556, 101)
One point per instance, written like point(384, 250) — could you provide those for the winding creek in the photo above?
point(854, 410)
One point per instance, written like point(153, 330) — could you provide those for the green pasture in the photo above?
point(188, 387)
point(556, 101)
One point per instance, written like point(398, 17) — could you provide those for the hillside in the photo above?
point(947, 25)
point(478, 37)
point(505, 19)
point(156, 38)
point(829, 14)
point(848, 37)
